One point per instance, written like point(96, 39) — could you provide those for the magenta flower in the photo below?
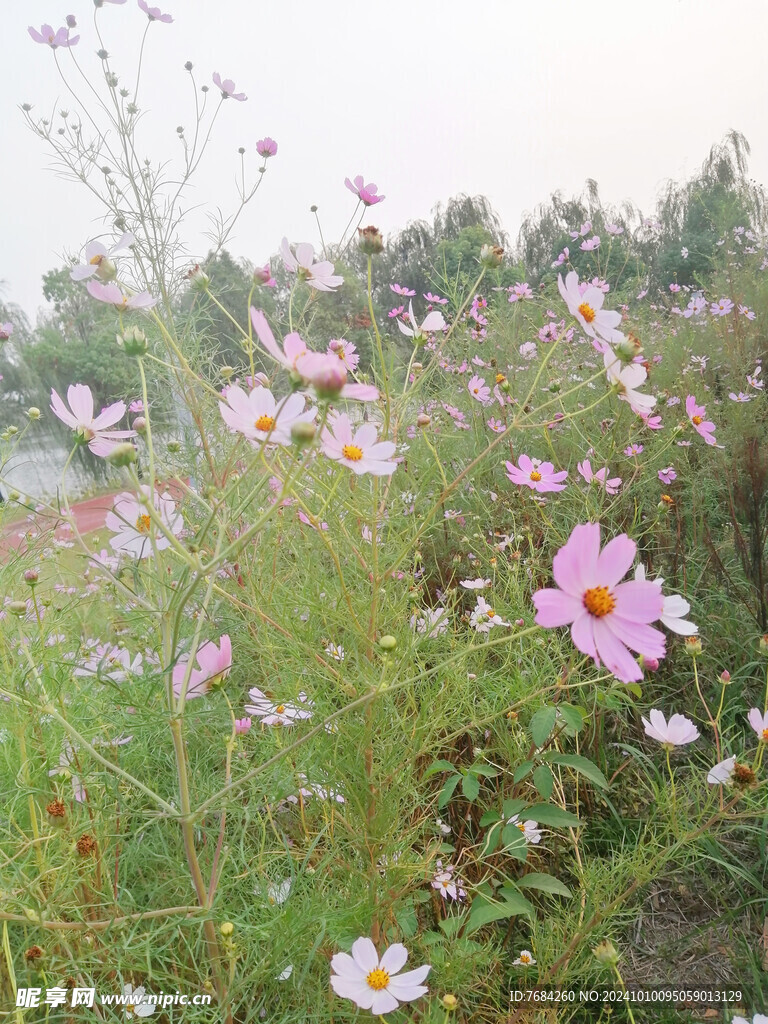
point(98, 259)
point(398, 289)
point(539, 476)
point(6, 330)
point(759, 721)
point(228, 88)
point(696, 414)
point(52, 38)
point(667, 475)
point(478, 389)
point(112, 294)
point(214, 663)
point(599, 477)
point(361, 452)
point(91, 429)
point(675, 733)
point(367, 194)
point(263, 276)
point(301, 261)
point(606, 616)
point(154, 13)
point(520, 291)
point(266, 147)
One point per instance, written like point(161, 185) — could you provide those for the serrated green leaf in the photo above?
point(541, 725)
point(572, 716)
point(470, 786)
point(544, 781)
point(548, 814)
point(522, 771)
point(446, 792)
point(544, 883)
point(580, 764)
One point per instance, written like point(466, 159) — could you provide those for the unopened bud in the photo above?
point(370, 240)
point(388, 642)
point(693, 646)
point(422, 420)
point(650, 664)
point(227, 372)
point(133, 341)
point(328, 376)
point(491, 255)
point(122, 454)
point(303, 433)
point(174, 446)
point(33, 412)
point(31, 576)
point(198, 279)
point(18, 607)
point(139, 424)
point(606, 953)
point(725, 677)
point(449, 1002)
point(227, 929)
point(71, 21)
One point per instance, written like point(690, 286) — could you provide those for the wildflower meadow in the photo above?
point(413, 664)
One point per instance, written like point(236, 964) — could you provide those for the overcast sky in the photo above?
point(426, 98)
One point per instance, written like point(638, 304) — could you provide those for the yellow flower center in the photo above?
point(696, 420)
point(95, 260)
point(587, 312)
point(524, 958)
point(446, 884)
point(340, 353)
point(143, 523)
point(500, 378)
point(490, 612)
point(667, 500)
point(129, 1008)
point(521, 826)
point(378, 979)
point(599, 601)
point(354, 454)
point(280, 709)
point(535, 476)
point(264, 423)
point(765, 735)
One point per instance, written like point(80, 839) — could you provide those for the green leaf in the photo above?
point(483, 912)
point(541, 725)
point(451, 925)
point(447, 791)
point(471, 786)
point(572, 716)
point(513, 807)
point(407, 921)
point(484, 769)
point(439, 766)
point(544, 781)
point(545, 883)
point(491, 840)
point(489, 818)
point(522, 771)
point(580, 764)
point(514, 843)
point(548, 814)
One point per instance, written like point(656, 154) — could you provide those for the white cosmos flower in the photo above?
point(478, 584)
point(627, 378)
point(374, 984)
point(133, 529)
point(525, 959)
point(674, 610)
point(432, 322)
point(137, 1007)
point(587, 307)
point(484, 617)
point(722, 773)
point(530, 829)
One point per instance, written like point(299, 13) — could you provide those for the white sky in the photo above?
point(427, 98)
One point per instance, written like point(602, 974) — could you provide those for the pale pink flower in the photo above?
point(90, 428)
point(606, 616)
point(345, 351)
point(675, 733)
point(478, 584)
point(47, 35)
point(398, 289)
point(432, 621)
point(266, 147)
point(263, 276)
point(133, 529)
point(214, 663)
point(112, 294)
point(278, 713)
point(98, 256)
point(446, 884)
point(696, 414)
point(675, 607)
point(374, 984)
point(587, 307)
point(6, 330)
point(759, 721)
point(432, 322)
point(479, 390)
point(300, 260)
point(484, 617)
point(539, 476)
point(360, 451)
point(599, 477)
point(530, 828)
point(367, 194)
point(260, 417)
point(667, 475)
point(228, 88)
point(154, 13)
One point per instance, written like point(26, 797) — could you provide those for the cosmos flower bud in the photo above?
point(133, 341)
point(198, 279)
point(328, 376)
point(650, 664)
point(122, 454)
point(188, 65)
point(725, 677)
point(139, 424)
point(606, 953)
point(388, 642)
point(227, 929)
point(174, 447)
point(628, 348)
point(262, 275)
point(491, 255)
point(422, 420)
point(370, 240)
point(33, 412)
point(449, 1002)
point(18, 607)
point(71, 21)
point(227, 372)
point(693, 646)
point(31, 576)
point(303, 433)
point(417, 368)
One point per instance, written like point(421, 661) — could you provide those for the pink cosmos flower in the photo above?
point(432, 298)
point(759, 721)
point(214, 663)
point(741, 397)
point(599, 477)
point(374, 984)
point(345, 351)
point(154, 13)
point(266, 147)
point(432, 322)
point(590, 244)
point(721, 308)
point(367, 194)
point(539, 476)
point(696, 414)
point(606, 616)
point(260, 417)
point(520, 291)
point(667, 475)
point(97, 259)
point(479, 390)
point(112, 294)
point(614, 229)
point(632, 450)
point(587, 307)
point(89, 427)
point(134, 531)
point(263, 275)
point(6, 330)
point(52, 38)
point(361, 452)
point(400, 290)
point(301, 261)
point(675, 733)
point(228, 88)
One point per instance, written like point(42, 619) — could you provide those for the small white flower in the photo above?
point(722, 773)
point(530, 829)
point(137, 1007)
point(525, 959)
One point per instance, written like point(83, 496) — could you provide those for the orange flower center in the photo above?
point(354, 454)
point(535, 476)
point(765, 735)
point(599, 601)
point(500, 378)
point(94, 261)
point(280, 709)
point(264, 423)
point(490, 612)
point(696, 420)
point(524, 958)
point(143, 523)
point(378, 979)
point(521, 826)
point(667, 499)
point(587, 312)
